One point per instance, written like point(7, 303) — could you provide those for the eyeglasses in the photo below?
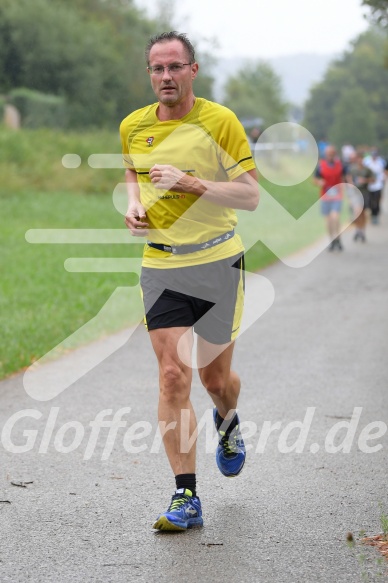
point(173, 68)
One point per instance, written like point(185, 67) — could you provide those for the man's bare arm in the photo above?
point(241, 193)
point(135, 217)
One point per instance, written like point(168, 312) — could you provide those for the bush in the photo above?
point(39, 109)
point(31, 161)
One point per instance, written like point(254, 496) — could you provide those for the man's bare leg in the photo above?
point(175, 409)
point(222, 384)
point(360, 223)
point(174, 396)
point(333, 225)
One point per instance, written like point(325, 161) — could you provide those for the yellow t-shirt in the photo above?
point(209, 143)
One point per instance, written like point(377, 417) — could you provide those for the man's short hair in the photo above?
point(168, 36)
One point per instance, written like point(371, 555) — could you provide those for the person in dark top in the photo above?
point(360, 176)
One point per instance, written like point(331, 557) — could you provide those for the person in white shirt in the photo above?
point(379, 168)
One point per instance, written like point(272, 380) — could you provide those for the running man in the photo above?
point(329, 175)
point(188, 165)
point(360, 176)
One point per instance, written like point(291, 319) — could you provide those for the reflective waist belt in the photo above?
point(182, 249)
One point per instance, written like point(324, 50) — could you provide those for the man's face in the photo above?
point(330, 153)
point(171, 88)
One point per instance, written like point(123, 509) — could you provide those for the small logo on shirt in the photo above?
point(171, 196)
point(150, 141)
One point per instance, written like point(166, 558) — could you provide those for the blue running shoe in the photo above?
point(184, 512)
point(230, 454)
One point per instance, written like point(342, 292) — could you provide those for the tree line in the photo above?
point(80, 63)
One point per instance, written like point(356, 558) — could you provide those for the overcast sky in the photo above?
point(269, 28)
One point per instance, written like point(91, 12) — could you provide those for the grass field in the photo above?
point(42, 303)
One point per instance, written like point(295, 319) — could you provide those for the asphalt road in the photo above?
point(319, 355)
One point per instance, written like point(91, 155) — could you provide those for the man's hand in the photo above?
point(168, 177)
point(135, 219)
point(319, 182)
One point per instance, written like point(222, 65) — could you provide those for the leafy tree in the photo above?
point(255, 91)
point(354, 121)
point(80, 57)
point(379, 10)
point(323, 97)
point(362, 66)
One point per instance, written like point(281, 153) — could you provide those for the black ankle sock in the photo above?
point(186, 481)
point(231, 423)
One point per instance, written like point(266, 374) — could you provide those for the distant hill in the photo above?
point(298, 73)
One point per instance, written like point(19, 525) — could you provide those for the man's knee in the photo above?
point(214, 383)
point(175, 385)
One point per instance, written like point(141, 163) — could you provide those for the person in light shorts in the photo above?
point(330, 176)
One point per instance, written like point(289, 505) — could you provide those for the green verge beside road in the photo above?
point(42, 303)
